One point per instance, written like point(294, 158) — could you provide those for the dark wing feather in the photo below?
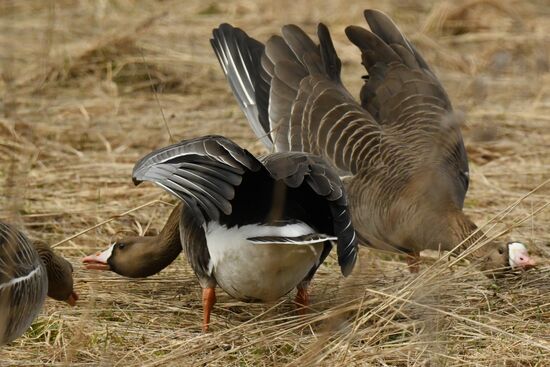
point(300, 83)
point(386, 29)
point(240, 58)
point(308, 102)
point(295, 168)
point(408, 100)
point(296, 240)
point(203, 172)
point(329, 57)
point(403, 120)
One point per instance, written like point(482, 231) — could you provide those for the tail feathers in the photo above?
point(347, 239)
point(308, 239)
point(240, 58)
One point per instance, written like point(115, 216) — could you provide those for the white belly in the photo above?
point(259, 272)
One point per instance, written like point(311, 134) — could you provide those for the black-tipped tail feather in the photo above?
point(308, 239)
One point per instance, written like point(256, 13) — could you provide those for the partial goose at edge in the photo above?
point(28, 272)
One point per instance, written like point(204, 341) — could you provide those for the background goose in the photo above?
point(257, 228)
point(27, 274)
point(401, 147)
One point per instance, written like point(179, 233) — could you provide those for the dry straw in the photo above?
point(89, 87)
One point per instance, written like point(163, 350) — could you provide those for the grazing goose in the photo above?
point(257, 228)
point(27, 274)
point(400, 149)
point(142, 256)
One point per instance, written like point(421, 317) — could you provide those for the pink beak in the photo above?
point(99, 261)
point(94, 262)
point(525, 262)
point(519, 256)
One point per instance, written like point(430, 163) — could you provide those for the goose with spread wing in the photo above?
point(400, 149)
point(256, 227)
point(28, 272)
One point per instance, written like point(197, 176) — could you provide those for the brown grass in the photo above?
point(89, 87)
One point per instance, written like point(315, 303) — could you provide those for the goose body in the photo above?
point(24, 282)
point(256, 227)
point(264, 271)
point(400, 147)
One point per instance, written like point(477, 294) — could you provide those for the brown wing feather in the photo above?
point(408, 100)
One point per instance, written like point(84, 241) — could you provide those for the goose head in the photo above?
point(140, 256)
point(134, 257)
point(509, 256)
point(494, 258)
point(60, 275)
point(60, 281)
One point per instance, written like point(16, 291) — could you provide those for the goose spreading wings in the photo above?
point(400, 147)
point(256, 227)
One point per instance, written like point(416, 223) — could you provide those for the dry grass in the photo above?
point(78, 109)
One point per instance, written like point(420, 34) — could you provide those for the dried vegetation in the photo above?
point(89, 87)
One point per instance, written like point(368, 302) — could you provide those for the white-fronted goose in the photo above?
point(27, 274)
point(401, 147)
point(141, 256)
point(257, 228)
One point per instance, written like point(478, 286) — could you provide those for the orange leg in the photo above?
point(208, 301)
point(413, 261)
point(302, 300)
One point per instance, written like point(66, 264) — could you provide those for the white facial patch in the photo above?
point(516, 250)
point(105, 255)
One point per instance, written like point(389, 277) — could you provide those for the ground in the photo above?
point(88, 87)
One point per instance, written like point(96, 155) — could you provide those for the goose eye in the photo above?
point(121, 245)
point(501, 250)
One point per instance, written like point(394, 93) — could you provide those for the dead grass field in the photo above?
point(77, 109)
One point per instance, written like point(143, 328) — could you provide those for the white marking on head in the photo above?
point(105, 255)
point(517, 252)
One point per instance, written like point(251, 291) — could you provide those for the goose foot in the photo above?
point(302, 300)
point(208, 301)
point(413, 261)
